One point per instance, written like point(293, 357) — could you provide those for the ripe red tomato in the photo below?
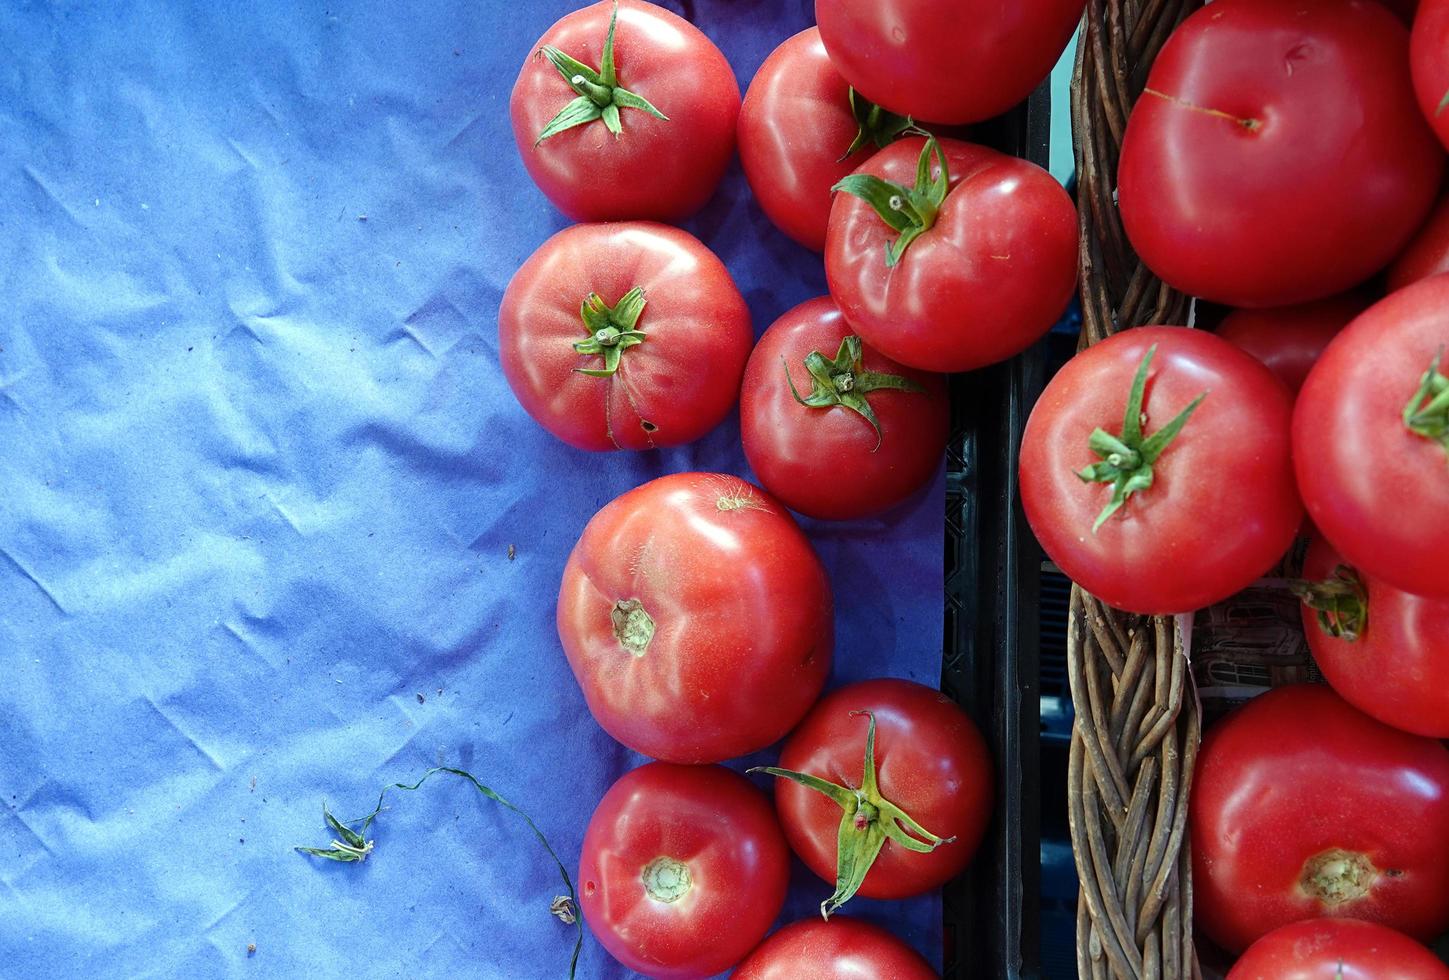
point(840, 949)
point(801, 130)
point(1430, 64)
point(949, 61)
point(918, 797)
point(1277, 155)
point(640, 129)
point(1304, 807)
point(683, 870)
point(1427, 253)
point(1336, 949)
point(696, 618)
point(868, 434)
point(1289, 339)
point(1214, 510)
point(624, 336)
point(1385, 651)
point(1371, 441)
point(971, 269)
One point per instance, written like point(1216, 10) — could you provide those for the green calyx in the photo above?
point(909, 210)
point(1126, 461)
point(1341, 602)
point(1427, 413)
point(868, 822)
point(876, 125)
point(611, 329)
point(845, 382)
point(600, 94)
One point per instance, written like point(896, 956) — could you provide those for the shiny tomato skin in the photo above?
point(1289, 339)
point(1277, 156)
point(682, 380)
point(1165, 550)
point(1377, 490)
point(722, 831)
point(1337, 949)
point(1397, 670)
point(741, 609)
point(840, 949)
point(795, 126)
point(1298, 774)
point(1430, 66)
point(946, 61)
point(931, 761)
point(655, 169)
point(1427, 253)
point(983, 284)
point(824, 462)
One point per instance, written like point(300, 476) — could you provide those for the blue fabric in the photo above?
point(273, 529)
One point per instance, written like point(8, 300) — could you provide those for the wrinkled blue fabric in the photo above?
point(273, 529)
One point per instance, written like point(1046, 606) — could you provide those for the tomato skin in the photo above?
point(683, 379)
point(1328, 186)
point(824, 462)
point(1398, 670)
point(742, 614)
point(1164, 551)
point(722, 829)
point(931, 761)
point(1429, 41)
point(1290, 339)
point(1427, 254)
point(988, 280)
point(656, 169)
point(1337, 949)
point(1297, 773)
point(948, 62)
point(1375, 489)
point(840, 949)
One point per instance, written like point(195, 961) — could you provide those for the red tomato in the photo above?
point(683, 870)
point(1371, 441)
point(652, 141)
point(1214, 511)
point(1337, 949)
point(1385, 651)
point(1427, 254)
point(1289, 339)
point(1429, 62)
point(696, 618)
point(841, 949)
point(1276, 155)
point(646, 306)
point(931, 766)
point(872, 434)
point(949, 61)
point(1304, 807)
point(802, 130)
point(985, 271)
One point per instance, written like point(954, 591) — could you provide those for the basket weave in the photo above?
point(1134, 744)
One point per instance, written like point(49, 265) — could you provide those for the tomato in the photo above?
point(1276, 155)
point(1384, 650)
point(907, 790)
point(801, 130)
point(1371, 441)
point(683, 870)
point(840, 949)
point(833, 429)
point(1430, 64)
point(1289, 339)
point(949, 61)
point(1152, 539)
point(1337, 949)
point(977, 263)
point(1427, 253)
point(647, 129)
point(1304, 807)
point(696, 618)
point(624, 336)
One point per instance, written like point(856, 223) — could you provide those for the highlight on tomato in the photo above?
point(840, 948)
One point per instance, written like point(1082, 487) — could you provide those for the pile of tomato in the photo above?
point(1281, 157)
